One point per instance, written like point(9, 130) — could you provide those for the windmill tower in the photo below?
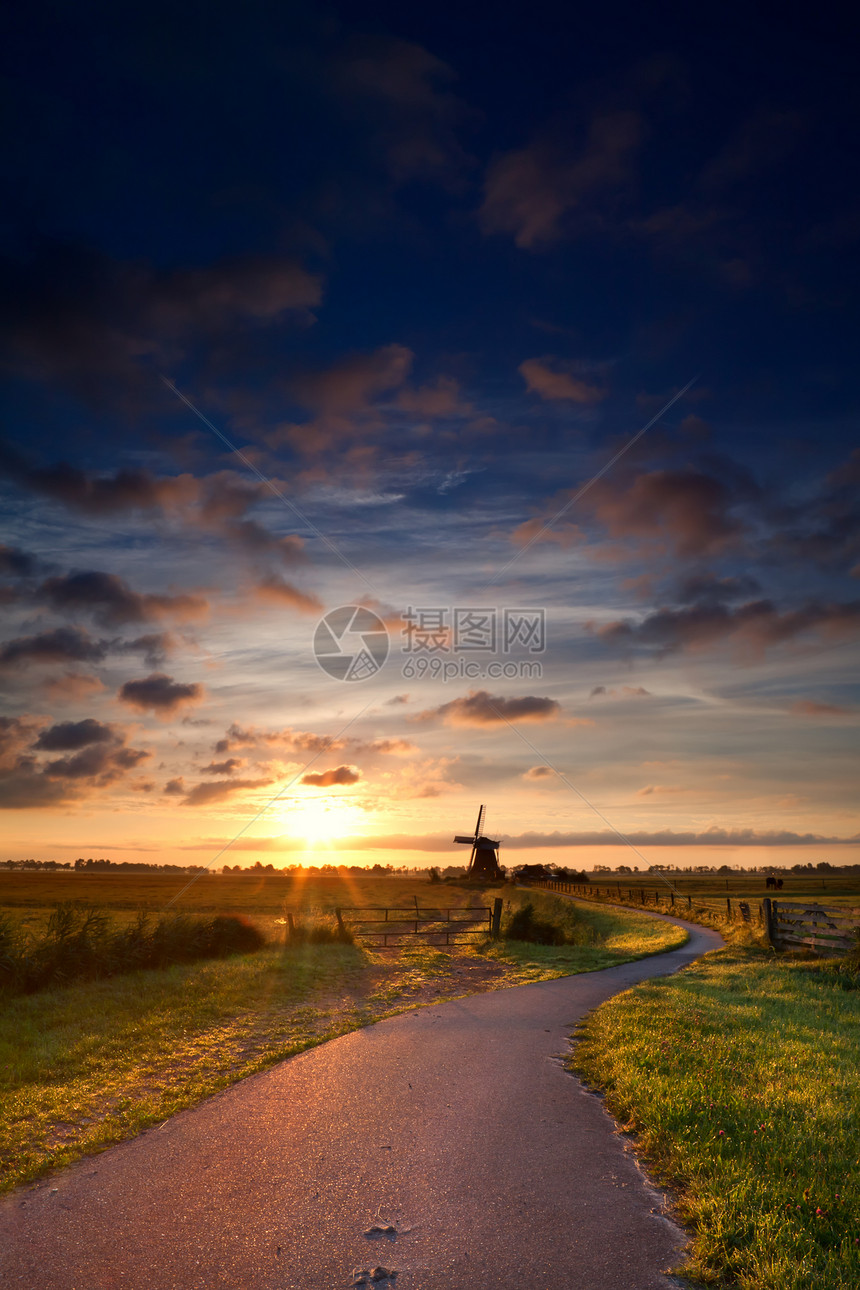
point(484, 860)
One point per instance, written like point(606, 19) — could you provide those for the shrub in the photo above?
point(524, 925)
point(81, 943)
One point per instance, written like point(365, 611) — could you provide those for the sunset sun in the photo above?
point(321, 822)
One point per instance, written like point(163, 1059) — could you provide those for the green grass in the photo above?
point(741, 1078)
point(92, 1063)
point(598, 937)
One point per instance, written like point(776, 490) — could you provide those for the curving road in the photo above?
point(455, 1124)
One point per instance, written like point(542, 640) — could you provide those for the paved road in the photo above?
point(455, 1123)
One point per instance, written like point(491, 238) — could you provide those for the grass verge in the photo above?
point(598, 936)
point(740, 1077)
point(93, 1063)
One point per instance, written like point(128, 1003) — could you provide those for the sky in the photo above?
point(413, 408)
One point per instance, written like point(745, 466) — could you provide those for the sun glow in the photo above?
point(322, 821)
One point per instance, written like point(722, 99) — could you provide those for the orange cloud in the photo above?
point(533, 193)
point(811, 708)
point(328, 778)
point(551, 383)
point(274, 591)
point(205, 793)
point(71, 687)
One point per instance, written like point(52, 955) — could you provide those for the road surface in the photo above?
point(455, 1124)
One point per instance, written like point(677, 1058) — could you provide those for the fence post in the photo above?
point(768, 917)
point(290, 928)
point(689, 902)
point(339, 920)
point(497, 917)
point(729, 908)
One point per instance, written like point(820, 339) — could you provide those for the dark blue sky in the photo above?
point(431, 269)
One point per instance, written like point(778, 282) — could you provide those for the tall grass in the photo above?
point(82, 943)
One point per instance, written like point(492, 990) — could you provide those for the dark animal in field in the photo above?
point(772, 882)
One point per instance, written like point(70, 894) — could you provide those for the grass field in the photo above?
point(93, 1063)
point(840, 885)
point(741, 1078)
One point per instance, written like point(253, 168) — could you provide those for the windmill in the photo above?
point(484, 860)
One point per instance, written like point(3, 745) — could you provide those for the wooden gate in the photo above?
point(437, 926)
point(829, 929)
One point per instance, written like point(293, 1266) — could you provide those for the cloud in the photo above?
point(660, 789)
point(206, 793)
point(812, 708)
point(72, 687)
point(91, 323)
point(16, 563)
point(536, 193)
point(86, 764)
point(274, 591)
point(97, 758)
point(68, 736)
point(160, 694)
point(553, 382)
point(75, 645)
point(351, 384)
point(625, 692)
point(328, 778)
point(707, 588)
point(25, 789)
point(113, 603)
point(175, 787)
point(762, 142)
point(403, 92)
point(217, 503)
point(823, 529)
point(539, 772)
point(293, 740)
point(224, 767)
point(17, 733)
point(715, 836)
point(62, 645)
point(752, 627)
point(440, 398)
point(687, 510)
point(395, 747)
point(479, 708)
point(153, 646)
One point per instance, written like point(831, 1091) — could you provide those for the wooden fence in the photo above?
point(727, 908)
point(826, 928)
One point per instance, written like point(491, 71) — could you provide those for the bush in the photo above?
point(81, 943)
point(523, 925)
